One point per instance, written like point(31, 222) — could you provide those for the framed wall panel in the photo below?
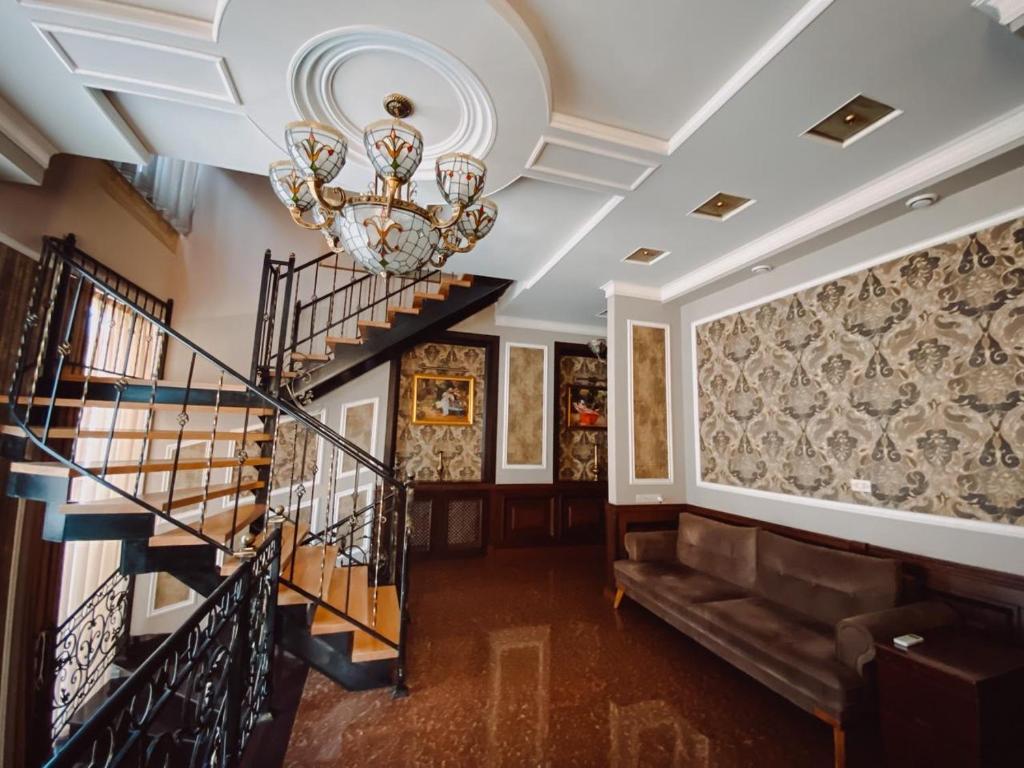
point(650, 403)
point(525, 439)
point(359, 426)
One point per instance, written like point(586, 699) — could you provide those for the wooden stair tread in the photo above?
point(308, 563)
point(184, 497)
point(399, 310)
point(368, 648)
point(76, 402)
point(68, 433)
point(326, 622)
point(461, 282)
point(221, 526)
point(418, 297)
point(289, 539)
point(344, 340)
point(57, 469)
point(313, 357)
point(381, 324)
point(169, 383)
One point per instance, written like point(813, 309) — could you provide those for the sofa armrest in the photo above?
point(856, 636)
point(651, 545)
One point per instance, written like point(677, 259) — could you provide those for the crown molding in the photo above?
point(775, 44)
point(569, 244)
point(998, 136)
point(609, 134)
point(17, 128)
point(632, 290)
point(1009, 13)
point(555, 326)
point(133, 15)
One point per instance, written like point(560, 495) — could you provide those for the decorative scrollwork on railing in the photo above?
point(85, 645)
point(212, 676)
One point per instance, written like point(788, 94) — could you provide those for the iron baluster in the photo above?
point(182, 421)
point(63, 352)
point(210, 450)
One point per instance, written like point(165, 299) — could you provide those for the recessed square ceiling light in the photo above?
point(645, 256)
point(721, 206)
point(854, 120)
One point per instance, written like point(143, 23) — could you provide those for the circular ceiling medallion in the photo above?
point(339, 78)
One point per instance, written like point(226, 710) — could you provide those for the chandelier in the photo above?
point(384, 230)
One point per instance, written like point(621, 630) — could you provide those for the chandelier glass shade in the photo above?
point(384, 230)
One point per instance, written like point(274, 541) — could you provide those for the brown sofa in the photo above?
point(800, 618)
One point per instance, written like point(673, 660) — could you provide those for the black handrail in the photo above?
point(217, 633)
point(298, 414)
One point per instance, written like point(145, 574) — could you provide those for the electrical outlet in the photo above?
point(648, 498)
point(864, 486)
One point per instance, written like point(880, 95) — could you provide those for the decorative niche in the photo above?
point(582, 448)
point(454, 446)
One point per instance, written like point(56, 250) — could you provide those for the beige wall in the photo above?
point(74, 199)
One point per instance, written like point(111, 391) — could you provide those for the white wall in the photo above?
point(486, 321)
point(975, 543)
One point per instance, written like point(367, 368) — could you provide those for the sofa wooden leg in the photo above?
point(838, 738)
point(619, 592)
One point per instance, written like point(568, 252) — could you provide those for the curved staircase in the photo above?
point(216, 478)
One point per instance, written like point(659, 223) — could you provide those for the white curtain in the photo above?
point(170, 186)
point(88, 563)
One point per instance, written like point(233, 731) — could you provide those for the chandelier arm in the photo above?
point(297, 218)
point(457, 210)
point(454, 246)
point(316, 188)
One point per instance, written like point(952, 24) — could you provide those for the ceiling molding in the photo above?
point(786, 34)
point(210, 79)
point(569, 244)
point(621, 137)
point(136, 16)
point(997, 136)
point(117, 121)
point(17, 128)
point(315, 67)
point(1009, 13)
point(632, 290)
point(522, 30)
point(569, 162)
point(578, 329)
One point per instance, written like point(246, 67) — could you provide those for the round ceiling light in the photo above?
point(761, 269)
point(922, 201)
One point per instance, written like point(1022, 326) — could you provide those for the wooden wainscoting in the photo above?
point(988, 601)
point(460, 519)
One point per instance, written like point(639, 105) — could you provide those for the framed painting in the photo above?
point(586, 406)
point(442, 399)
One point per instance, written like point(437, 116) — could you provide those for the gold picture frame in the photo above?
point(442, 399)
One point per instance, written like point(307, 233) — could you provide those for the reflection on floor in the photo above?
point(517, 659)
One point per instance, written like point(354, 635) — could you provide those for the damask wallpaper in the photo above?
point(651, 459)
point(909, 375)
point(419, 447)
point(357, 427)
point(524, 430)
point(576, 446)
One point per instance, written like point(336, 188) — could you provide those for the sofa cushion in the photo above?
point(788, 646)
point(825, 584)
point(726, 551)
point(673, 585)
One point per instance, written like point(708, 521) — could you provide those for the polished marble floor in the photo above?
point(518, 659)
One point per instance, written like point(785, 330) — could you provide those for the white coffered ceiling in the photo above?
point(603, 123)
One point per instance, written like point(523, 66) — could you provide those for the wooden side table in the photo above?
point(954, 700)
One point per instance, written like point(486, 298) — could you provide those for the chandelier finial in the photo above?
point(397, 105)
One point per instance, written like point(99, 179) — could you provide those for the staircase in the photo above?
point(216, 478)
point(339, 321)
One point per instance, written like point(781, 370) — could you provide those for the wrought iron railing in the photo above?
point(324, 303)
point(213, 455)
point(213, 672)
point(82, 649)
